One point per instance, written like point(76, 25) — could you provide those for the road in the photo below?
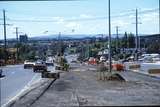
point(15, 80)
point(72, 57)
point(81, 87)
point(145, 67)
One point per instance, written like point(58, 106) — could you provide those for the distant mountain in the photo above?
point(76, 36)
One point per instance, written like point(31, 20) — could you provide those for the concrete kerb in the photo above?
point(42, 92)
point(129, 70)
point(106, 75)
point(114, 76)
point(28, 90)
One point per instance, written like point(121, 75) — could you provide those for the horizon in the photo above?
point(76, 36)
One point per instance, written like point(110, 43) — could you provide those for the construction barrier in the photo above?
point(93, 61)
point(118, 67)
point(154, 71)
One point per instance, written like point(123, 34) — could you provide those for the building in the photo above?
point(23, 38)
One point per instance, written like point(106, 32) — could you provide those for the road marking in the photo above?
point(12, 72)
point(22, 90)
point(2, 78)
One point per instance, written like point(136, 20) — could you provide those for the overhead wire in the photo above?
point(84, 19)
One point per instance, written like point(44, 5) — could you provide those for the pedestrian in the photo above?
point(101, 69)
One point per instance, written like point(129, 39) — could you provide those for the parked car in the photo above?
point(2, 62)
point(102, 59)
point(74, 61)
point(1, 75)
point(49, 63)
point(28, 64)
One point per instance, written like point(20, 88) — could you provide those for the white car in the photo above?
point(49, 62)
point(102, 59)
point(1, 75)
point(28, 64)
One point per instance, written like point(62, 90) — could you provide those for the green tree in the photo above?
point(124, 41)
point(2, 53)
point(131, 40)
point(154, 47)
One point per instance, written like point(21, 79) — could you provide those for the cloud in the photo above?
point(72, 25)
point(85, 16)
point(131, 16)
point(149, 17)
point(121, 23)
point(59, 20)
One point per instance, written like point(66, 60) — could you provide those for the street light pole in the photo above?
point(159, 16)
point(117, 38)
point(136, 35)
point(60, 45)
point(109, 24)
point(5, 41)
point(17, 43)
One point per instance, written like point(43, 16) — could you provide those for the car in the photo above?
point(28, 64)
point(73, 61)
point(40, 67)
point(49, 63)
point(102, 59)
point(1, 75)
point(2, 62)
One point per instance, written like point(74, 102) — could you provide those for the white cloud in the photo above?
point(131, 16)
point(72, 25)
point(149, 17)
point(59, 20)
point(85, 16)
point(121, 23)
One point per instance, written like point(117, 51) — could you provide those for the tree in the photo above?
point(154, 47)
point(2, 53)
point(124, 41)
point(131, 41)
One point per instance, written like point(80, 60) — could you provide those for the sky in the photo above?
point(36, 18)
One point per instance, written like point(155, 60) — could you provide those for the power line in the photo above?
point(84, 19)
point(117, 29)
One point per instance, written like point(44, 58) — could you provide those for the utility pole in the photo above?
point(109, 24)
point(159, 16)
point(136, 57)
point(88, 48)
point(5, 41)
point(17, 43)
point(59, 39)
point(139, 43)
point(117, 38)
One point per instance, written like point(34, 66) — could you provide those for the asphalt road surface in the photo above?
point(16, 79)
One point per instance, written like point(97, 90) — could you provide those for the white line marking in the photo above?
point(23, 90)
